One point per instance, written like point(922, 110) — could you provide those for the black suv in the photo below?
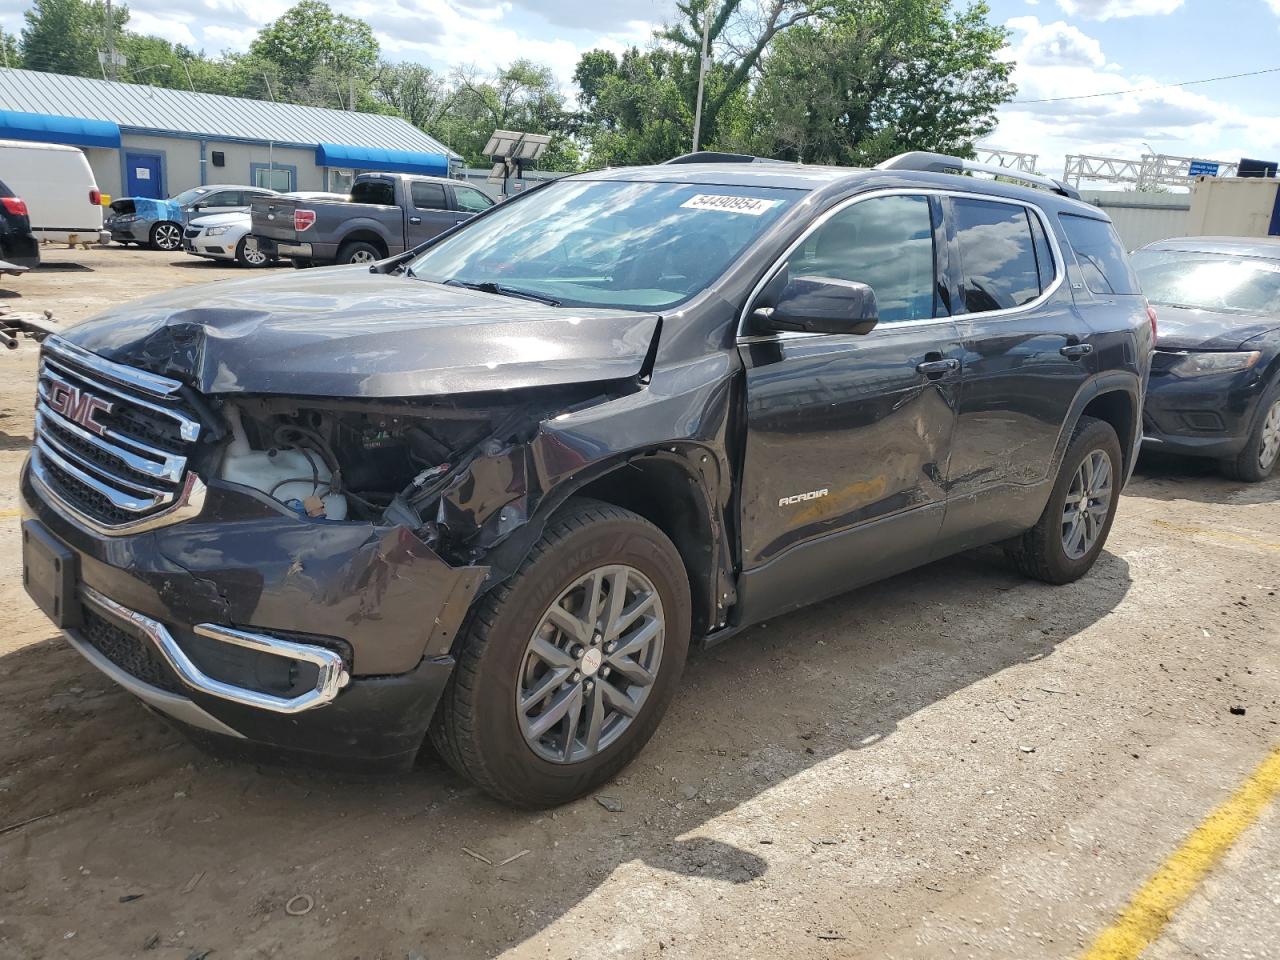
point(490, 491)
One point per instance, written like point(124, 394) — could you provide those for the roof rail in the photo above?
point(941, 163)
point(716, 156)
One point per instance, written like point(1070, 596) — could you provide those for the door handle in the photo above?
point(1074, 351)
point(937, 369)
point(415, 220)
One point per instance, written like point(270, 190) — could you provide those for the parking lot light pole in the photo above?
point(703, 63)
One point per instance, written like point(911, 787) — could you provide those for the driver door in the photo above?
point(848, 436)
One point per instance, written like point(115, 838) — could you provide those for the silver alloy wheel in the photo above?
point(590, 665)
point(1088, 503)
point(1270, 438)
point(254, 255)
point(362, 256)
point(168, 236)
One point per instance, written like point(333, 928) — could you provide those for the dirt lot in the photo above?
point(956, 762)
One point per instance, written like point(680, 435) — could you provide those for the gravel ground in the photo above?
point(954, 762)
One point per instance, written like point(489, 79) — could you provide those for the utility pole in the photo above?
point(111, 40)
point(191, 83)
point(4, 49)
point(703, 64)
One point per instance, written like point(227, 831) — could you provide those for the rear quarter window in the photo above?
point(1102, 259)
point(999, 267)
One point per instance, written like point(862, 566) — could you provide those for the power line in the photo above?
point(1167, 86)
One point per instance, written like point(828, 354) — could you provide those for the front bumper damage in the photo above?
point(251, 623)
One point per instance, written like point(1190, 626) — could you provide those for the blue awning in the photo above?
point(377, 158)
point(51, 128)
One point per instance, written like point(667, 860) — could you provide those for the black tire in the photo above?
point(1249, 466)
point(167, 236)
point(243, 259)
point(476, 729)
point(1040, 552)
point(358, 251)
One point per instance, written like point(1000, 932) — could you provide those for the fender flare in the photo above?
point(1110, 381)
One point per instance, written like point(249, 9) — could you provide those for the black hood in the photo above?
point(1183, 329)
point(346, 332)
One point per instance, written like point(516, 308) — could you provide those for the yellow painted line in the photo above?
point(9, 514)
point(1224, 535)
point(1153, 906)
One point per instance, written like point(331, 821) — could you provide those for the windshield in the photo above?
point(188, 196)
point(608, 243)
point(1209, 281)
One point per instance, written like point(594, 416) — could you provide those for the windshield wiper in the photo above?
point(488, 286)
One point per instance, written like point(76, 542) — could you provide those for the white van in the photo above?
point(59, 188)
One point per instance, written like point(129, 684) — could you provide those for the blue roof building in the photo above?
point(156, 142)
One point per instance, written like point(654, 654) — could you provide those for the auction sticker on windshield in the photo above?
point(753, 206)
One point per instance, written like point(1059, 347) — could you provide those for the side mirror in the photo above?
point(821, 305)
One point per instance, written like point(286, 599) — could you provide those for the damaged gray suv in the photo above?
point(489, 493)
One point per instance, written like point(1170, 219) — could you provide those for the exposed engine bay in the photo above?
point(412, 464)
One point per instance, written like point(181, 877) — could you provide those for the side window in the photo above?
point(374, 191)
point(886, 243)
point(228, 198)
point(471, 200)
point(427, 196)
point(998, 268)
point(1101, 257)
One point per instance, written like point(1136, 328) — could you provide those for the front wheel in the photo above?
point(1070, 534)
point(1257, 460)
point(567, 668)
point(251, 256)
point(166, 236)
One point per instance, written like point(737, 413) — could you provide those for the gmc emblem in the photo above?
point(78, 405)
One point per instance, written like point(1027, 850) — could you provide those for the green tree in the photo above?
point(64, 36)
point(521, 96)
point(311, 45)
point(412, 91)
point(880, 77)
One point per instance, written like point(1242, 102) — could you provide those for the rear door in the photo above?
point(848, 437)
point(1027, 354)
point(428, 212)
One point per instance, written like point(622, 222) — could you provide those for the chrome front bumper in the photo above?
point(331, 677)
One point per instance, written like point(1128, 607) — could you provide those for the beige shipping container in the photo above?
point(1234, 207)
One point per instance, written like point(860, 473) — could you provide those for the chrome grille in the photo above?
point(112, 443)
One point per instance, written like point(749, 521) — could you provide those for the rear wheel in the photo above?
point(1257, 460)
point(357, 251)
point(1066, 541)
point(248, 256)
point(567, 668)
point(166, 235)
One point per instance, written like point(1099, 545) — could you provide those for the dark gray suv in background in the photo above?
point(1215, 380)
point(491, 491)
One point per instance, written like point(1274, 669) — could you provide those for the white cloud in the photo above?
point(1055, 44)
point(174, 27)
point(1115, 9)
point(1275, 6)
point(1056, 61)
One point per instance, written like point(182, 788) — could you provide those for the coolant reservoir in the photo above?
point(288, 475)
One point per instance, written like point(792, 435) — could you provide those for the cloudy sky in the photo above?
point(1064, 48)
